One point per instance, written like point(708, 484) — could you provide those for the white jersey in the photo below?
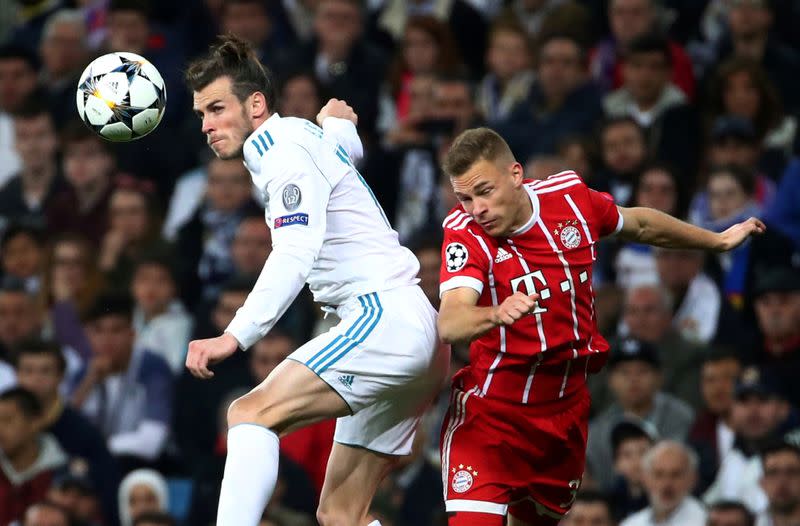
point(327, 227)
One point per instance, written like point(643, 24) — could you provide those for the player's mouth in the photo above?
point(487, 224)
point(212, 142)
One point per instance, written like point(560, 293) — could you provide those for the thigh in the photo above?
point(351, 480)
point(475, 462)
point(291, 397)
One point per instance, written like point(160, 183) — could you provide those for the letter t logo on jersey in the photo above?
point(528, 282)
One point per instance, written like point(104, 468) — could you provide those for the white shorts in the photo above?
point(385, 361)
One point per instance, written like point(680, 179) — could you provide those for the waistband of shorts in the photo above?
point(351, 301)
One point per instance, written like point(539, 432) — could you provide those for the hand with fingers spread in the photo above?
point(339, 109)
point(203, 353)
point(514, 307)
point(738, 233)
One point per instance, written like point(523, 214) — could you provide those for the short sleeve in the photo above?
point(606, 213)
point(464, 261)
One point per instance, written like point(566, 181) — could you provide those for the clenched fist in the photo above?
point(513, 308)
point(337, 108)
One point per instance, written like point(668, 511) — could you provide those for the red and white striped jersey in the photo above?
point(545, 355)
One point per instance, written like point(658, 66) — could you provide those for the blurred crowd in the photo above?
point(114, 256)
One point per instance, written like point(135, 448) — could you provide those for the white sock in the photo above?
point(251, 471)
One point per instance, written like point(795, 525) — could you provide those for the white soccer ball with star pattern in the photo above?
point(121, 96)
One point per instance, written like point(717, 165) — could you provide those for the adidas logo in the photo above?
point(502, 255)
point(347, 380)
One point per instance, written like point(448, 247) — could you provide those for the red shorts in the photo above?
point(500, 458)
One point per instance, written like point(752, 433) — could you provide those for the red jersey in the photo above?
point(545, 355)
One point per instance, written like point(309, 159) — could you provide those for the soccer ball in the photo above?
point(121, 96)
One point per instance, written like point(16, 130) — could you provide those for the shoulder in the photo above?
point(457, 219)
point(556, 183)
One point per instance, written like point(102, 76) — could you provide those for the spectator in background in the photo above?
point(20, 315)
point(89, 165)
point(344, 63)
point(29, 459)
point(783, 214)
point(635, 377)
point(647, 317)
point(781, 484)
point(71, 284)
point(22, 250)
point(76, 495)
point(408, 159)
point(126, 391)
point(661, 108)
point(589, 509)
point(777, 306)
point(630, 19)
point(160, 320)
point(40, 368)
point(154, 518)
point(204, 243)
point(749, 23)
point(252, 21)
point(300, 96)
point(142, 491)
point(468, 26)
point(729, 513)
point(711, 435)
point(630, 441)
point(670, 473)
point(132, 229)
point(741, 87)
point(657, 187)
point(427, 49)
point(698, 304)
point(26, 197)
point(579, 153)
point(64, 50)
point(624, 151)
point(563, 100)
point(252, 245)
point(18, 71)
point(510, 76)
point(757, 415)
point(46, 514)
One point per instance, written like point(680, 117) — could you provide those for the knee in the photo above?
point(252, 410)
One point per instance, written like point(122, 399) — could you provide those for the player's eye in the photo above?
point(485, 191)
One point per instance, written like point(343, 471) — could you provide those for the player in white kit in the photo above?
point(379, 367)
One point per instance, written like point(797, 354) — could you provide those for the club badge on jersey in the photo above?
point(462, 478)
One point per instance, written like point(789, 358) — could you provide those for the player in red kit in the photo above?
point(516, 282)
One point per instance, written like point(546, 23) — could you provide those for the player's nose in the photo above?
point(207, 125)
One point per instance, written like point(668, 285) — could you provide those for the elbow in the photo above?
point(447, 332)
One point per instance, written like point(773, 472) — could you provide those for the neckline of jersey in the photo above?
point(534, 215)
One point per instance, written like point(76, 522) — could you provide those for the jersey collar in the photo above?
point(534, 215)
point(256, 144)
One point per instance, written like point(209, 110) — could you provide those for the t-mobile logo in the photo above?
point(528, 284)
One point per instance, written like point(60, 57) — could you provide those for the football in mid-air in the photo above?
point(121, 96)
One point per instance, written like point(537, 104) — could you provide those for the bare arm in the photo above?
point(649, 226)
point(461, 320)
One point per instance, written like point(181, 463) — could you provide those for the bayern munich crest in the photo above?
point(457, 256)
point(463, 478)
point(568, 233)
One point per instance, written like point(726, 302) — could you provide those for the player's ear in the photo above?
point(257, 105)
point(517, 173)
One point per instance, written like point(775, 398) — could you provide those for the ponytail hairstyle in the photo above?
point(234, 58)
